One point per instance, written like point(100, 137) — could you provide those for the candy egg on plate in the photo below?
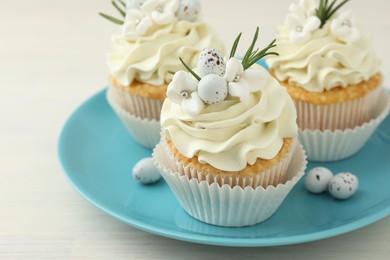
point(145, 172)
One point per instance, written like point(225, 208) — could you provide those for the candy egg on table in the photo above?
point(317, 179)
point(188, 10)
point(145, 172)
point(343, 185)
point(210, 62)
point(212, 89)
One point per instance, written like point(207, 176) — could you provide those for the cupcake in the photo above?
point(154, 34)
point(228, 149)
point(329, 68)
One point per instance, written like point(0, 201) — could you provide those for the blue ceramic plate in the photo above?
point(98, 155)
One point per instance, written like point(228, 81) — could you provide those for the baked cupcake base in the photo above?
point(261, 173)
point(144, 131)
point(327, 146)
point(228, 204)
point(339, 108)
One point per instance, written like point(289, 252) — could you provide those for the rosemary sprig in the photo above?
point(250, 49)
point(122, 3)
point(251, 57)
point(112, 19)
point(325, 10)
point(256, 56)
point(119, 9)
point(122, 12)
point(190, 70)
point(234, 47)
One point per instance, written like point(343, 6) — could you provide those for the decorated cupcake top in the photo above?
point(228, 114)
point(322, 47)
point(154, 34)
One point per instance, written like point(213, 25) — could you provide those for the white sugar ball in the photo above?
point(145, 172)
point(212, 89)
point(317, 179)
point(343, 185)
point(188, 10)
point(210, 62)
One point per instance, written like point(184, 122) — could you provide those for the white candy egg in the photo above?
point(145, 172)
point(210, 62)
point(134, 4)
point(212, 89)
point(343, 185)
point(188, 10)
point(317, 179)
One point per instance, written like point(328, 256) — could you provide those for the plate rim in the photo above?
point(204, 239)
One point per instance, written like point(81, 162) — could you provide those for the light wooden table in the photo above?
point(52, 58)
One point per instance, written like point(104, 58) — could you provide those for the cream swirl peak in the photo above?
point(232, 115)
point(155, 33)
point(319, 54)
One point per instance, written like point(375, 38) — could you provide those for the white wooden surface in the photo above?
point(52, 58)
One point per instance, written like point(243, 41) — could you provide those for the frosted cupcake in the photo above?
point(330, 70)
point(229, 137)
point(154, 34)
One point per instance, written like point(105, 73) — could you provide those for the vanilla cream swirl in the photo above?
point(323, 62)
point(150, 58)
point(232, 134)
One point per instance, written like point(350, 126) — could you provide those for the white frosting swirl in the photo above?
point(323, 62)
point(234, 133)
point(149, 58)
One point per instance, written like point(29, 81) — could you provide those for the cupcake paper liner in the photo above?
point(327, 146)
point(272, 176)
point(226, 205)
point(145, 108)
point(144, 131)
point(336, 116)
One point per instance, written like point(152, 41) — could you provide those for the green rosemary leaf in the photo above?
point(325, 10)
point(234, 47)
point(171, 72)
point(122, 3)
point(337, 8)
point(256, 56)
point(189, 69)
point(253, 54)
point(123, 13)
point(112, 19)
point(250, 49)
point(332, 4)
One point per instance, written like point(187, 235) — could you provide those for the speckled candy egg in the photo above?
point(145, 172)
point(343, 185)
point(210, 62)
point(212, 89)
point(188, 10)
point(134, 4)
point(317, 179)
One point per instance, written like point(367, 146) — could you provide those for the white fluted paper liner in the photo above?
point(226, 205)
point(146, 132)
point(145, 108)
point(271, 176)
point(327, 146)
point(337, 116)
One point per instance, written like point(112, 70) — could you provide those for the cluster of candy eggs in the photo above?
point(340, 186)
point(212, 88)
